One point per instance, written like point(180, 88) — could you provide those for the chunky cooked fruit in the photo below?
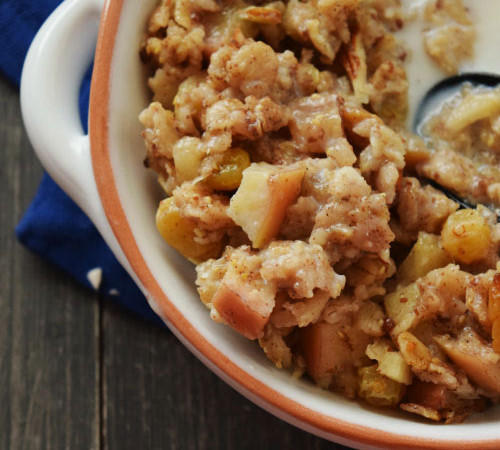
point(260, 203)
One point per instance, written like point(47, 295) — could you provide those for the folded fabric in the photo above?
point(54, 227)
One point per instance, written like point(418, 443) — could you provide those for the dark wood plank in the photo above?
point(159, 396)
point(49, 337)
point(153, 394)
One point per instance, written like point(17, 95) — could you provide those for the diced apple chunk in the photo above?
point(390, 362)
point(473, 108)
point(354, 61)
point(244, 301)
point(233, 307)
point(475, 357)
point(495, 335)
point(430, 395)
point(188, 154)
point(377, 389)
point(401, 307)
point(260, 203)
point(494, 298)
point(325, 352)
point(427, 254)
point(393, 366)
point(494, 311)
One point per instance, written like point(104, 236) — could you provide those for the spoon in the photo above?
point(445, 89)
point(432, 101)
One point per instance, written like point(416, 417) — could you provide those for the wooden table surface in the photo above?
point(78, 373)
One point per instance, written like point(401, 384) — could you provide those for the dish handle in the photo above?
point(52, 74)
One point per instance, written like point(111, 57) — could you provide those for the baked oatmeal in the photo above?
point(277, 131)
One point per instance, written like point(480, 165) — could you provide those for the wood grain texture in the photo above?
point(76, 373)
point(157, 395)
point(48, 333)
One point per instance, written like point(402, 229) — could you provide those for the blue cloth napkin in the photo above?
point(54, 227)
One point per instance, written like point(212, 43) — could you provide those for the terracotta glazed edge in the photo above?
point(101, 161)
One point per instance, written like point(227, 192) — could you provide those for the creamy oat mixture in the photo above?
point(277, 132)
point(465, 138)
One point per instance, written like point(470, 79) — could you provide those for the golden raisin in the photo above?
point(178, 231)
point(466, 236)
point(230, 173)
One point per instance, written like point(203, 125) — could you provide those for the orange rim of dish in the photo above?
point(101, 161)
